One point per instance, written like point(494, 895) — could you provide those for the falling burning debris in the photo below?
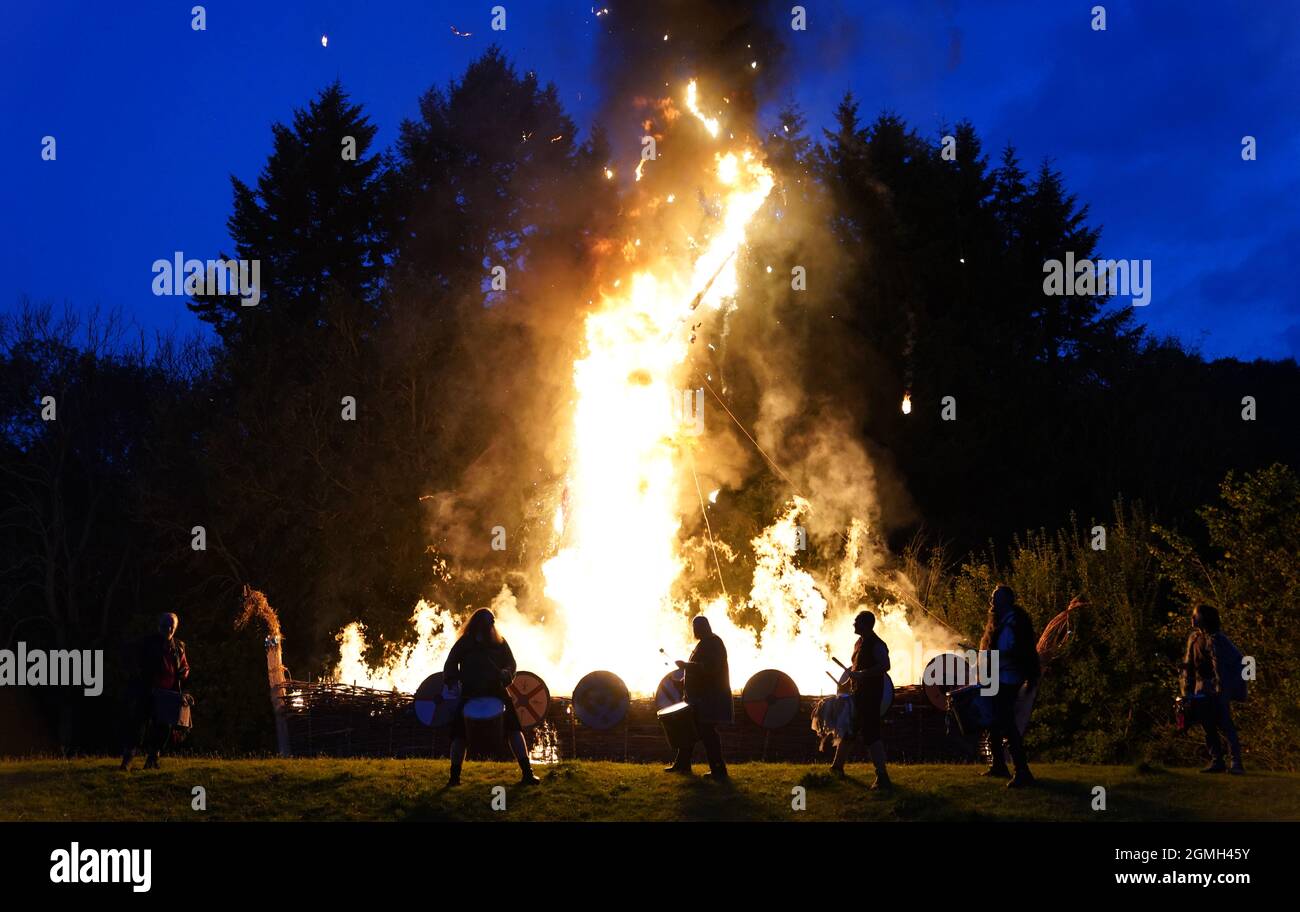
point(458, 33)
point(693, 105)
point(324, 40)
point(907, 403)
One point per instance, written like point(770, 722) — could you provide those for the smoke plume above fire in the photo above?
point(686, 467)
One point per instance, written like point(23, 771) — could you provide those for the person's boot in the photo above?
point(1216, 766)
point(681, 763)
point(718, 773)
point(151, 762)
point(1237, 769)
point(1022, 779)
point(882, 783)
point(526, 776)
point(454, 779)
point(126, 761)
point(998, 768)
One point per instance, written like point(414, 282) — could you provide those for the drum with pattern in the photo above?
point(601, 700)
point(670, 689)
point(531, 697)
point(770, 699)
point(434, 706)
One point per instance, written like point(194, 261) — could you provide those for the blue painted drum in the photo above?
point(601, 700)
point(484, 724)
point(433, 705)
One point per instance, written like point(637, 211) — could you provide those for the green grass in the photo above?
point(414, 790)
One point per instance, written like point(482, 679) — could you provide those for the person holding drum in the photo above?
point(1010, 631)
point(483, 666)
point(867, 676)
point(707, 690)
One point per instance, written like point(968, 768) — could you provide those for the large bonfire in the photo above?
point(617, 551)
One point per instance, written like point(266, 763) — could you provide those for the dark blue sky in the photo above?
point(1145, 120)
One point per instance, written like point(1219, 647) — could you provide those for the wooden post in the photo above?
point(255, 605)
point(276, 680)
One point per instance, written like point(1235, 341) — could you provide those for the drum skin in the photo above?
point(431, 707)
point(770, 699)
point(678, 722)
point(531, 696)
point(601, 700)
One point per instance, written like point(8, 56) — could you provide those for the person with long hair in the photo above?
point(1204, 666)
point(1010, 631)
point(481, 664)
point(867, 676)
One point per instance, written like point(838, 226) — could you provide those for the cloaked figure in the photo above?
point(156, 662)
point(706, 688)
point(482, 665)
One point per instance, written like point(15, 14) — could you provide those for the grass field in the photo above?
point(414, 790)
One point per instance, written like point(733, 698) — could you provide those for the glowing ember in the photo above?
point(907, 403)
point(324, 40)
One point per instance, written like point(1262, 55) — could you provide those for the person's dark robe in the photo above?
point(482, 669)
point(707, 687)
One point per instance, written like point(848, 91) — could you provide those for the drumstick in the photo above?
point(839, 663)
point(833, 678)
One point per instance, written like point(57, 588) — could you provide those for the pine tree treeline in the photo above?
point(373, 288)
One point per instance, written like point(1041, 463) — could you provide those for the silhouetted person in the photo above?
point(156, 662)
point(867, 676)
point(1205, 689)
point(707, 689)
point(483, 665)
point(1010, 631)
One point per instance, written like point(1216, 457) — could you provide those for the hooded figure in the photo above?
point(707, 689)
